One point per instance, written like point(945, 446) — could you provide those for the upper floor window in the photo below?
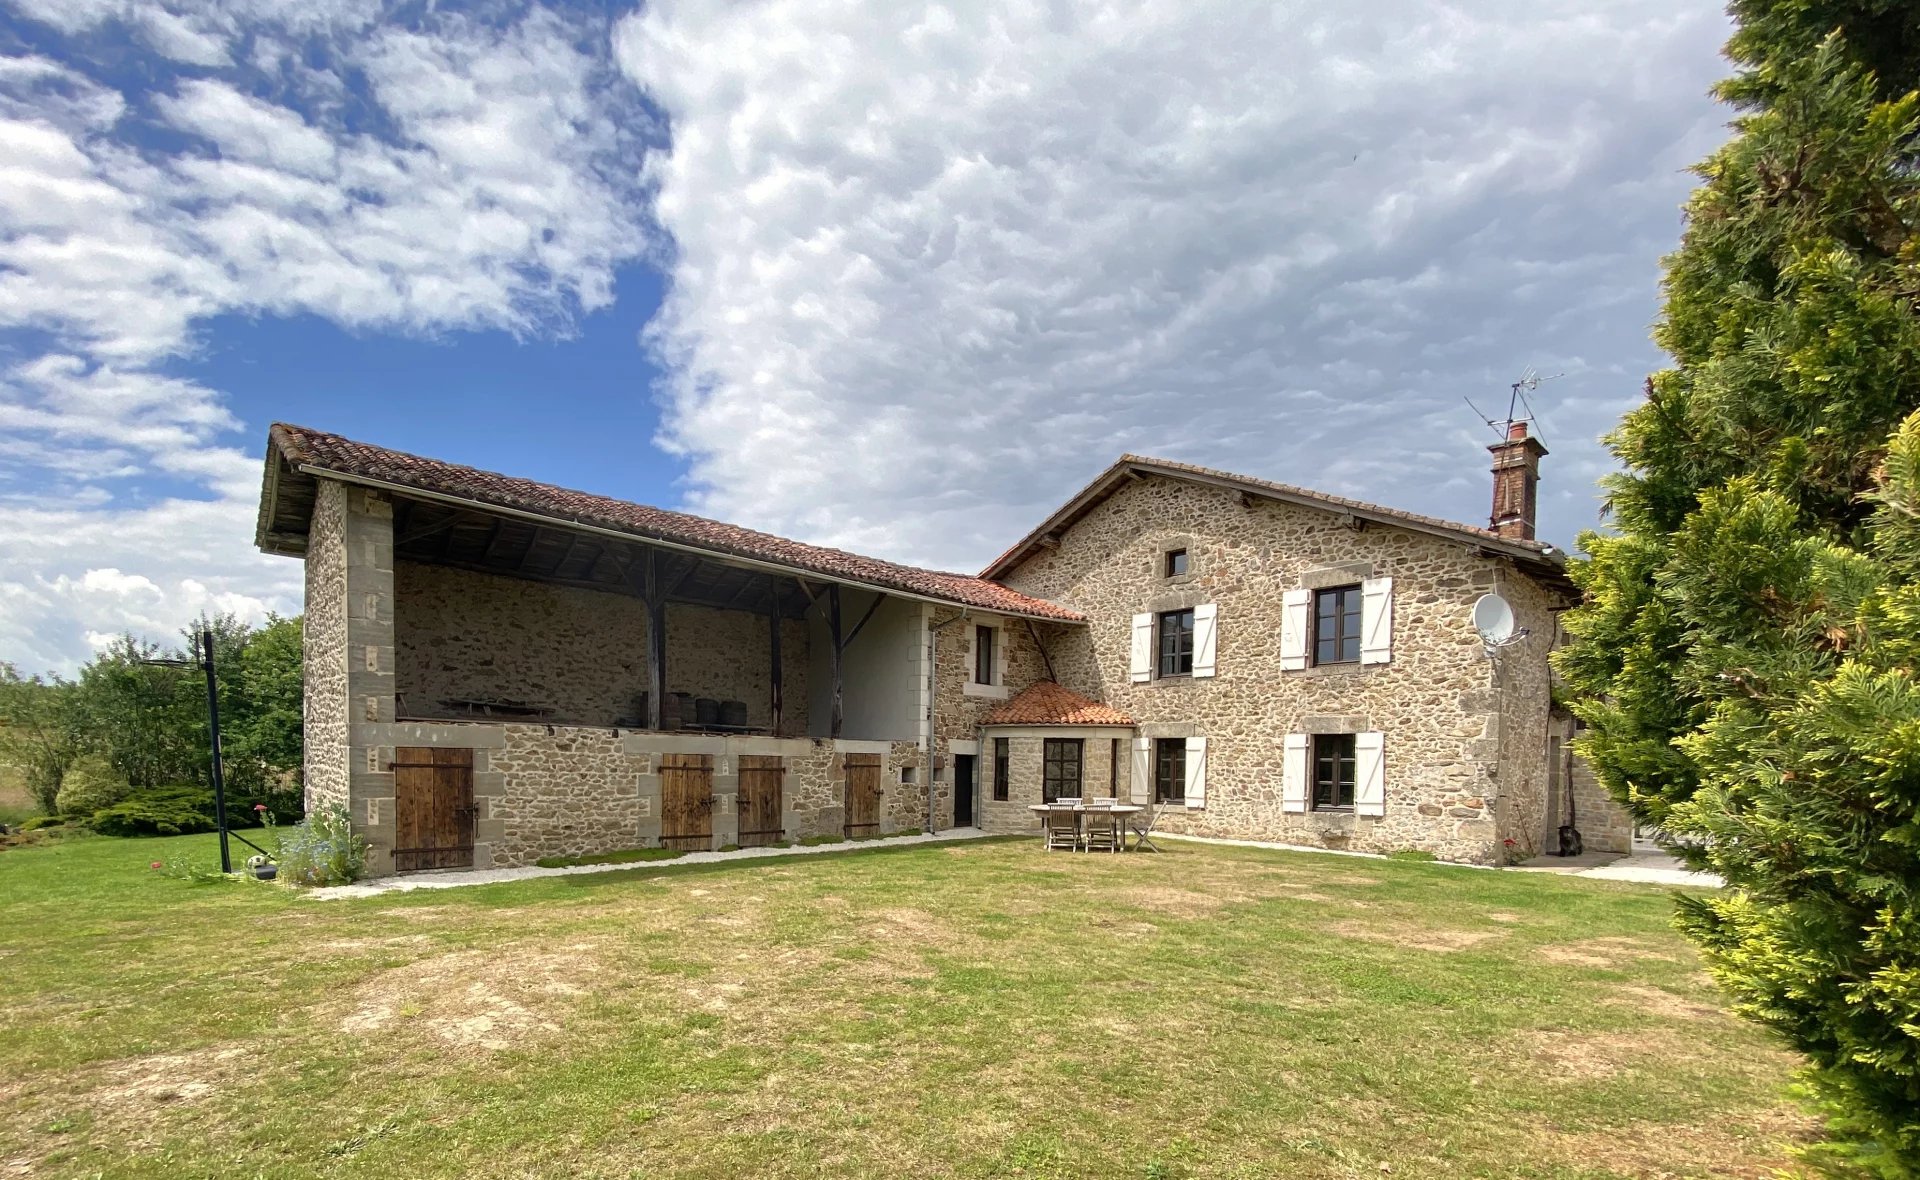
point(1176, 643)
point(1176, 565)
point(1336, 625)
point(1334, 777)
point(983, 654)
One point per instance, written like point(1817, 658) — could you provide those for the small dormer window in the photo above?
point(1176, 563)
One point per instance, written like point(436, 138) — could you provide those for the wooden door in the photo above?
point(432, 808)
point(686, 801)
point(759, 799)
point(863, 794)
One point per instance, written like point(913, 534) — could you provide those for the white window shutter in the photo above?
point(1142, 664)
point(1294, 605)
point(1196, 772)
point(1205, 626)
point(1370, 773)
point(1140, 782)
point(1293, 773)
point(1376, 620)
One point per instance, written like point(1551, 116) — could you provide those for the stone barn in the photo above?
point(500, 670)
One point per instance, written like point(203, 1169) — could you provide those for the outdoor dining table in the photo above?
point(1122, 810)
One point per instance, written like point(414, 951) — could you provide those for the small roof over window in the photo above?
point(1047, 703)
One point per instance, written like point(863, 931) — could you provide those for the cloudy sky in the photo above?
point(896, 277)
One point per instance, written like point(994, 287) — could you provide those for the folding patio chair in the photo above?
point(1140, 823)
point(1100, 830)
point(1061, 826)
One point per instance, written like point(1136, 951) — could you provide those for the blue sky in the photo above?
point(893, 277)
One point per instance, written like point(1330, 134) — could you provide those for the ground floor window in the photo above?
point(1113, 769)
point(1060, 769)
point(1170, 770)
point(1333, 772)
point(1000, 769)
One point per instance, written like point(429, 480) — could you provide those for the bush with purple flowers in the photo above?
point(322, 849)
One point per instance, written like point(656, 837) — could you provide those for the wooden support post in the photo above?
point(833, 621)
point(773, 639)
point(656, 642)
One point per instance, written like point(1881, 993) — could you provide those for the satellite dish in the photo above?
point(1493, 618)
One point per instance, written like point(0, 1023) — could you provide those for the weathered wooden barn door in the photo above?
point(686, 801)
point(432, 808)
point(761, 776)
point(863, 794)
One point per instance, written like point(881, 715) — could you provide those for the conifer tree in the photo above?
point(1745, 659)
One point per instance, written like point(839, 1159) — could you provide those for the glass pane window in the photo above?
point(1336, 625)
point(1170, 770)
point(1176, 562)
point(1176, 643)
point(983, 638)
point(1000, 768)
point(1060, 769)
point(1333, 771)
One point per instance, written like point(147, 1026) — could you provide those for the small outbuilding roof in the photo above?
point(297, 455)
point(1047, 703)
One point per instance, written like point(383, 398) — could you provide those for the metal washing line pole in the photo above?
point(203, 644)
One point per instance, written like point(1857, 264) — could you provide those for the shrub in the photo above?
point(322, 849)
point(41, 822)
point(89, 785)
point(176, 810)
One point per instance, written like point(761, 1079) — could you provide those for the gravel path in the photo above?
point(456, 879)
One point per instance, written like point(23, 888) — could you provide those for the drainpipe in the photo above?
point(933, 688)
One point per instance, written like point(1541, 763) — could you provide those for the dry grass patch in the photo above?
point(1562, 1056)
point(486, 1000)
point(1611, 951)
point(1658, 1001)
point(1412, 934)
point(1752, 1149)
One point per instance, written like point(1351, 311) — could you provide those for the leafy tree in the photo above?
point(1745, 656)
point(40, 730)
point(265, 746)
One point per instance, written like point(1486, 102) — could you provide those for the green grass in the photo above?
point(624, 856)
point(977, 1009)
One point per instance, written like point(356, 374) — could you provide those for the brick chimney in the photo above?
point(1516, 483)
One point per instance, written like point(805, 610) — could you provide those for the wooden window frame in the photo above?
point(1176, 557)
point(1002, 760)
point(1167, 662)
point(1054, 761)
point(1347, 610)
point(1170, 770)
point(1328, 754)
point(985, 641)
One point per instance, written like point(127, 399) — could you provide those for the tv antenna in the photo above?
point(1516, 401)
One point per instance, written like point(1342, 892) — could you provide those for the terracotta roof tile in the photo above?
point(1047, 703)
point(330, 452)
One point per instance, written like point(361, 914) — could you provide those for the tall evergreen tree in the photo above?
point(1745, 659)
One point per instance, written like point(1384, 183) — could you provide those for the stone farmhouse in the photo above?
point(499, 670)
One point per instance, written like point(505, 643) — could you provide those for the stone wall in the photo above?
point(323, 639)
point(958, 712)
point(1604, 825)
point(1435, 700)
point(1523, 680)
point(1026, 749)
point(581, 653)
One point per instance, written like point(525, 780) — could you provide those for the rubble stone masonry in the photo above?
point(1457, 739)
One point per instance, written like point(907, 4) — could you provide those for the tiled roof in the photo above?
point(1536, 553)
point(332, 453)
point(1046, 703)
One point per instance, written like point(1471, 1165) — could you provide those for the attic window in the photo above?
point(1176, 563)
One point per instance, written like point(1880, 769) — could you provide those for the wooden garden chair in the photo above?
point(1140, 823)
point(1061, 825)
point(1100, 830)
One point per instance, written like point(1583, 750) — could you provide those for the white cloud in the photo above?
point(442, 174)
point(938, 264)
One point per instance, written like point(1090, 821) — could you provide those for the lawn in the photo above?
point(977, 1009)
